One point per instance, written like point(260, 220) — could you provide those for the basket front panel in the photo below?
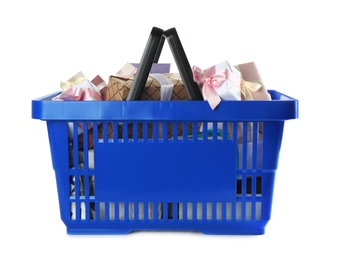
point(167, 171)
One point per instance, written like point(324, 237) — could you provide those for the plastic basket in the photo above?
point(138, 176)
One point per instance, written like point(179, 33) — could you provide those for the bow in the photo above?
point(78, 93)
point(248, 87)
point(210, 80)
point(85, 90)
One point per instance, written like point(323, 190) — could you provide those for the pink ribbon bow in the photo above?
point(77, 94)
point(210, 80)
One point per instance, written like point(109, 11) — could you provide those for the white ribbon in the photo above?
point(166, 90)
point(166, 86)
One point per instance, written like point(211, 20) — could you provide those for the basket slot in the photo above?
point(238, 209)
point(81, 186)
point(162, 131)
point(165, 211)
point(228, 207)
point(72, 188)
point(219, 210)
point(188, 210)
point(111, 210)
point(258, 211)
point(131, 211)
point(249, 186)
point(81, 139)
point(250, 145)
point(165, 131)
point(78, 210)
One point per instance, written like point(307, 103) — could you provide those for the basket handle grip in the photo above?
point(183, 65)
point(151, 55)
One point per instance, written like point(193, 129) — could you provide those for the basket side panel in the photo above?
point(272, 138)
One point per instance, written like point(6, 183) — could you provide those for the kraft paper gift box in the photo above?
point(252, 86)
point(119, 87)
point(119, 84)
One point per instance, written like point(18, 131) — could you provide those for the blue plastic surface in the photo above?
point(122, 166)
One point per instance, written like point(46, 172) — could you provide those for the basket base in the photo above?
point(82, 231)
point(204, 229)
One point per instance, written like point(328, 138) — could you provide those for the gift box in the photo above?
point(252, 86)
point(160, 85)
point(129, 69)
point(119, 87)
point(157, 67)
point(101, 85)
point(221, 81)
point(78, 88)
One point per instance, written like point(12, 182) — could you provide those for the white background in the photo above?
point(297, 48)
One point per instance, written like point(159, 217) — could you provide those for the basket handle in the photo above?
point(151, 54)
point(183, 65)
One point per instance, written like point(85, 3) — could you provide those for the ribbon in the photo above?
point(210, 80)
point(69, 84)
point(85, 90)
point(73, 81)
point(166, 90)
point(248, 87)
point(77, 94)
point(166, 85)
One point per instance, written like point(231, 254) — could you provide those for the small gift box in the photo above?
point(252, 86)
point(120, 84)
point(157, 67)
point(219, 82)
point(78, 88)
point(101, 85)
point(129, 69)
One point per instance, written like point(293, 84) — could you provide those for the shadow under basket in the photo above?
point(124, 166)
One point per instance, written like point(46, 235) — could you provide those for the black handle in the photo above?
point(151, 55)
point(159, 50)
point(183, 65)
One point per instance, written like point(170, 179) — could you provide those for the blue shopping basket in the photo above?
point(138, 176)
point(131, 165)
